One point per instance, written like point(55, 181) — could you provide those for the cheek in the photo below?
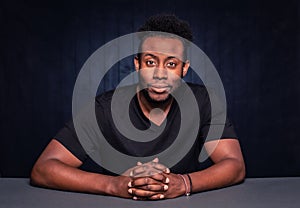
point(175, 80)
point(179, 72)
point(145, 75)
point(175, 75)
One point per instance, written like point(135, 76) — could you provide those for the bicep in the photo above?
point(56, 151)
point(224, 149)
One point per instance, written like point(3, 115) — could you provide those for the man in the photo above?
point(161, 64)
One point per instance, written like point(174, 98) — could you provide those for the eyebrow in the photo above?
point(149, 54)
point(153, 56)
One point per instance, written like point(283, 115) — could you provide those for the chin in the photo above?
point(155, 98)
point(159, 99)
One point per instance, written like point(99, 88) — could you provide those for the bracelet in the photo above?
point(187, 191)
point(191, 184)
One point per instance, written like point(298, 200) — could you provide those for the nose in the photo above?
point(160, 73)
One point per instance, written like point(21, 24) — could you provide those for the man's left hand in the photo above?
point(153, 181)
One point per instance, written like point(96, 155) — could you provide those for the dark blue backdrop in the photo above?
point(253, 44)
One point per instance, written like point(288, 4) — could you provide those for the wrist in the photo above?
point(187, 184)
point(118, 186)
point(109, 188)
point(182, 186)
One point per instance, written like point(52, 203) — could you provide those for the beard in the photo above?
point(156, 102)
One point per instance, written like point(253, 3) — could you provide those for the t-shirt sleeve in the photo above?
point(228, 131)
point(214, 124)
point(68, 138)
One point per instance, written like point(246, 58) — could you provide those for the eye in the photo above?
point(150, 63)
point(171, 64)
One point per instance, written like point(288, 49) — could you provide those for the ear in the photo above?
point(185, 68)
point(136, 63)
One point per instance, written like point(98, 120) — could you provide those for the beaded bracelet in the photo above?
point(187, 191)
point(191, 184)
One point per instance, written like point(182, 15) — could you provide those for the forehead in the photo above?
point(163, 45)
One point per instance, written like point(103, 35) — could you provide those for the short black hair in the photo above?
point(168, 23)
point(163, 25)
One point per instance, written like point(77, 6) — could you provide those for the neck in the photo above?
point(150, 109)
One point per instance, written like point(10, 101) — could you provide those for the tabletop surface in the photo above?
point(254, 193)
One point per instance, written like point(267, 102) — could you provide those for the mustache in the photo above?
point(159, 85)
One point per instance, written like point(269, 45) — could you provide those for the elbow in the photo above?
point(34, 176)
point(241, 172)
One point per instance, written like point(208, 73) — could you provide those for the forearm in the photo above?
point(57, 175)
point(224, 173)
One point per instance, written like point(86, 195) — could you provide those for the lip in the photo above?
point(159, 88)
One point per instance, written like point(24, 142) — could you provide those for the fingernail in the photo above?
point(167, 180)
point(131, 173)
point(166, 187)
point(155, 160)
point(130, 191)
point(167, 170)
point(134, 198)
point(129, 184)
point(162, 196)
point(139, 163)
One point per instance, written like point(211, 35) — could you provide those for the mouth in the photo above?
point(159, 88)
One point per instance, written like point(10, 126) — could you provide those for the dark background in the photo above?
point(253, 44)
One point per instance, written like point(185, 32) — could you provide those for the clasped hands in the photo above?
point(154, 181)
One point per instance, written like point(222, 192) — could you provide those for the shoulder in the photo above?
point(194, 86)
point(199, 90)
point(201, 95)
point(106, 97)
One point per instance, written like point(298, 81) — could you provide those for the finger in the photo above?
point(161, 178)
point(141, 193)
point(158, 177)
point(167, 171)
point(130, 191)
point(153, 172)
point(144, 173)
point(157, 197)
point(155, 187)
point(159, 166)
point(140, 198)
point(162, 168)
point(136, 182)
point(152, 163)
point(137, 171)
point(156, 160)
point(139, 163)
point(149, 169)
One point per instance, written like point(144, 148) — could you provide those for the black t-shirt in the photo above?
point(189, 163)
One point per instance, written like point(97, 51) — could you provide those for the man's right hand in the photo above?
point(119, 186)
point(148, 180)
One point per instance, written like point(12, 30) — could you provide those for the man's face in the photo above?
point(161, 67)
